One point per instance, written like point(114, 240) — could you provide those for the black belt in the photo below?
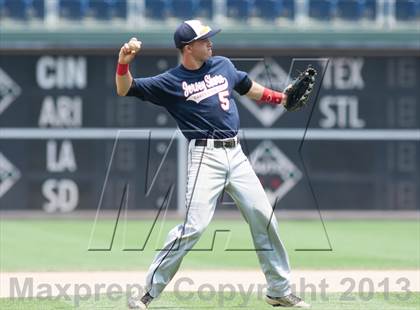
point(217, 143)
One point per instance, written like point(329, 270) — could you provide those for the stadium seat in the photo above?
point(406, 10)
point(17, 9)
point(120, 8)
point(240, 9)
point(101, 9)
point(288, 9)
point(185, 9)
point(350, 9)
point(322, 9)
point(157, 9)
point(269, 9)
point(205, 8)
point(38, 7)
point(370, 9)
point(108, 9)
point(73, 9)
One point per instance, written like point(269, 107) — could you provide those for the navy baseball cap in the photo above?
point(192, 30)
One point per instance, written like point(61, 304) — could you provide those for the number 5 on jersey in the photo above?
point(224, 100)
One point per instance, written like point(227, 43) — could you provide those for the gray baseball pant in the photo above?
point(210, 170)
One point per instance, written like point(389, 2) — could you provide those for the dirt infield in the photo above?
point(32, 284)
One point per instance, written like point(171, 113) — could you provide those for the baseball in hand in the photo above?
point(134, 45)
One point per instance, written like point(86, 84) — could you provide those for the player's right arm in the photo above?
point(123, 78)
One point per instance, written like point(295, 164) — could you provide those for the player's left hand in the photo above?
point(284, 99)
point(298, 92)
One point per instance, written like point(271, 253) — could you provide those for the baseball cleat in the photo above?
point(289, 301)
point(140, 303)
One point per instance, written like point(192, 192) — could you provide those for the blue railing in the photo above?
point(301, 12)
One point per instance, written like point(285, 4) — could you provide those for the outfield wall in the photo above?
point(67, 142)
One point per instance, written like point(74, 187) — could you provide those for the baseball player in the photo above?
point(198, 93)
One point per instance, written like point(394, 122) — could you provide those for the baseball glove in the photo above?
point(298, 92)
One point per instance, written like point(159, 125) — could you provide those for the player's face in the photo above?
point(201, 49)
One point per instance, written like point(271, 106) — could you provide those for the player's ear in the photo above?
point(188, 48)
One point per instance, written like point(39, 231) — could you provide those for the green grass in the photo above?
point(216, 300)
point(41, 245)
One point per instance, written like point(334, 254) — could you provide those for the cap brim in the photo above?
point(205, 36)
point(209, 34)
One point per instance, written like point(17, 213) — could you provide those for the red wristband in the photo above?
point(271, 96)
point(122, 69)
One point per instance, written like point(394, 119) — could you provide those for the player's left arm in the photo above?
point(255, 91)
point(263, 94)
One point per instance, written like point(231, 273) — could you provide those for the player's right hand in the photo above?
point(128, 51)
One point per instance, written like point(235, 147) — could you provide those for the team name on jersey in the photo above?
point(210, 86)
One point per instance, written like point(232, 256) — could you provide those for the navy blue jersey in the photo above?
point(201, 100)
